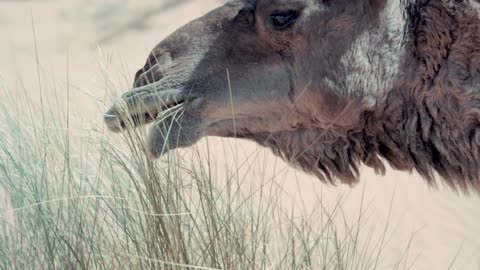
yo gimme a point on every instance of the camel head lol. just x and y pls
(324, 83)
(248, 68)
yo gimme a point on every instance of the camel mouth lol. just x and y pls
(119, 124)
(142, 106)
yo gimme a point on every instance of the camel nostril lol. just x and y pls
(153, 70)
(136, 81)
(146, 76)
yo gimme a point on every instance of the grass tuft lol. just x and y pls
(90, 200)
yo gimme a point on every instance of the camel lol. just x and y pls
(328, 85)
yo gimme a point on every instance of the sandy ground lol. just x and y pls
(69, 33)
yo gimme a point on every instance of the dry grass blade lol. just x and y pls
(98, 203)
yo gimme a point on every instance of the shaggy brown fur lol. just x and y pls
(429, 122)
(302, 89)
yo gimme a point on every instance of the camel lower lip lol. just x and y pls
(174, 131)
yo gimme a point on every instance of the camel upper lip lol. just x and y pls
(141, 106)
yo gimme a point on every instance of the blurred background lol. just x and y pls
(71, 44)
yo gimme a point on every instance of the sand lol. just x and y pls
(82, 38)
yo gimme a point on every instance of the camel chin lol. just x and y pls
(173, 132)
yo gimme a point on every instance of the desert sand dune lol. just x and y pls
(440, 223)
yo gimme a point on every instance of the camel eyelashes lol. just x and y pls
(282, 20)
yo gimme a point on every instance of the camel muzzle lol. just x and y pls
(143, 105)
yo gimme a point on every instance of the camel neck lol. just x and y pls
(429, 121)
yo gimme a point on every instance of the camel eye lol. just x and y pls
(283, 20)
